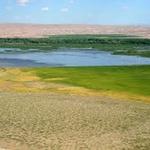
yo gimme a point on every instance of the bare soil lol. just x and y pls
(32, 30)
(52, 121)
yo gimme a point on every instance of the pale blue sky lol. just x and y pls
(136, 12)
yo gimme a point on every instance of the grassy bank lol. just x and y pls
(133, 80)
(118, 44)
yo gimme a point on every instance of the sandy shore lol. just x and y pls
(30, 30)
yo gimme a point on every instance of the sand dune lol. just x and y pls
(32, 30)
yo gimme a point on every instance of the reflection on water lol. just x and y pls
(66, 57)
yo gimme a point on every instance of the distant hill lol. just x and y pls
(33, 30)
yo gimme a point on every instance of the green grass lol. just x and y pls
(129, 79)
(118, 44)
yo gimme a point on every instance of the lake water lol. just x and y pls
(66, 57)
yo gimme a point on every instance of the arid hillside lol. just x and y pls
(31, 30)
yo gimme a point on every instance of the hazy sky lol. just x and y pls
(76, 11)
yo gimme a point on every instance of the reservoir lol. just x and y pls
(66, 57)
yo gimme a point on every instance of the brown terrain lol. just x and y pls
(32, 30)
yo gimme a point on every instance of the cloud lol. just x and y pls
(23, 2)
(44, 8)
(65, 9)
(125, 7)
(68, 6)
(72, 1)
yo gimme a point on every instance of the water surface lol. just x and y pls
(66, 57)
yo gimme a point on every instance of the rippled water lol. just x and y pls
(66, 57)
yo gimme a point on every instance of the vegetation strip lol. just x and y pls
(118, 44)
